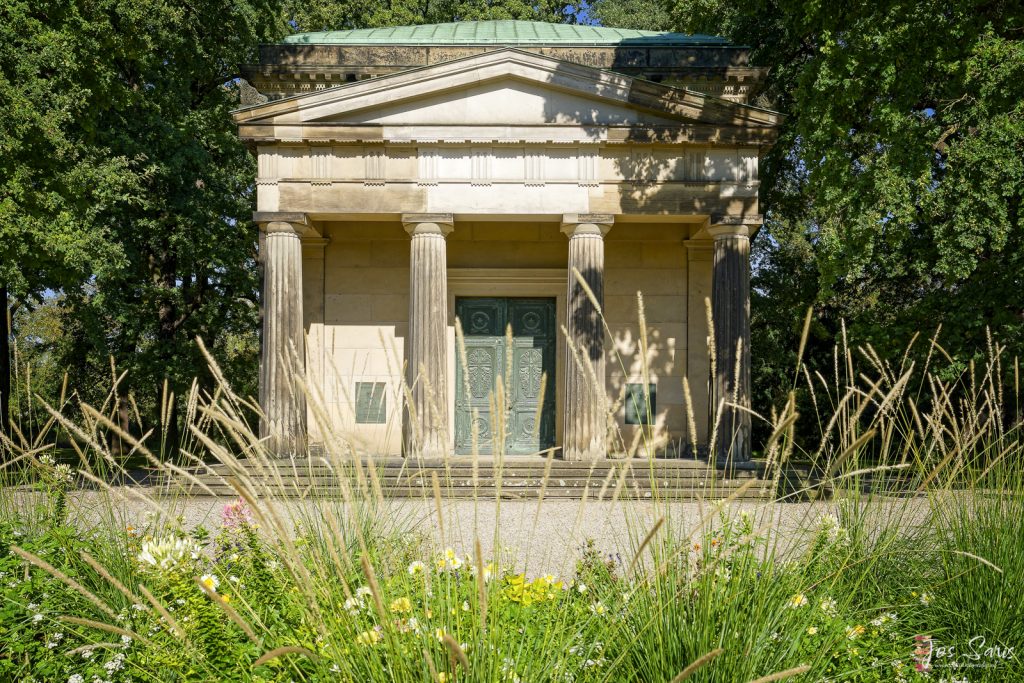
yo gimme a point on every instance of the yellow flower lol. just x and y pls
(371, 637)
(812, 630)
(226, 597)
(442, 677)
(854, 631)
(439, 633)
(798, 600)
(451, 560)
(400, 605)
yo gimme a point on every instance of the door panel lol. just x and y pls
(484, 323)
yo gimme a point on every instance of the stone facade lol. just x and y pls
(499, 174)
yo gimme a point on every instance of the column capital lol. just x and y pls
(428, 223)
(587, 223)
(722, 225)
(280, 228)
(726, 230)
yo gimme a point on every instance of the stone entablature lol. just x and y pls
(511, 162)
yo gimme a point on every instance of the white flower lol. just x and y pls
(76, 678)
(597, 608)
(829, 607)
(167, 553)
(926, 599)
(363, 592)
(416, 567)
(37, 618)
(581, 587)
(812, 630)
(451, 560)
(115, 664)
(833, 530)
(465, 605)
(64, 474)
(210, 581)
(47, 459)
(352, 606)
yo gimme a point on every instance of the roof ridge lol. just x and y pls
(499, 32)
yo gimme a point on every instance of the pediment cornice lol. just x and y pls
(664, 113)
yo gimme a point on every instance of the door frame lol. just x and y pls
(550, 283)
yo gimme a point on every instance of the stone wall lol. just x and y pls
(357, 327)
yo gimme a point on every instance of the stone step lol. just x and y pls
(560, 493)
(490, 472)
(488, 477)
(382, 464)
(682, 479)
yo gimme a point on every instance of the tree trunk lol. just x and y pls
(5, 363)
(167, 313)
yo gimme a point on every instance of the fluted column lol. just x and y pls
(730, 306)
(426, 427)
(583, 433)
(283, 353)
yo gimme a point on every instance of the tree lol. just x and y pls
(327, 15)
(900, 168)
(184, 234)
(55, 175)
(642, 15)
(125, 185)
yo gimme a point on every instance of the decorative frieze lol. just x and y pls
(533, 165)
(320, 158)
(481, 165)
(376, 165)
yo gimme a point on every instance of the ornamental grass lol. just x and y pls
(901, 559)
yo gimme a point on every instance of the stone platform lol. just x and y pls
(514, 478)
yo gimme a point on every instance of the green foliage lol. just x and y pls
(327, 15)
(125, 187)
(333, 586)
(893, 195)
(642, 15)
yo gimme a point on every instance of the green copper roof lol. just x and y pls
(499, 33)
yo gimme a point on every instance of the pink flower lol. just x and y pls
(236, 515)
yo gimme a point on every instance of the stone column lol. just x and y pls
(730, 306)
(282, 360)
(584, 428)
(426, 427)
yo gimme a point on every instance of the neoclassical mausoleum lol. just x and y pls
(485, 176)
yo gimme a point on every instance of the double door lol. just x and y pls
(512, 339)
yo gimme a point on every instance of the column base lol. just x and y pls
(592, 454)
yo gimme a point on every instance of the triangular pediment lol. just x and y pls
(506, 87)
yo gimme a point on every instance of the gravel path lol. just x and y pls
(546, 540)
